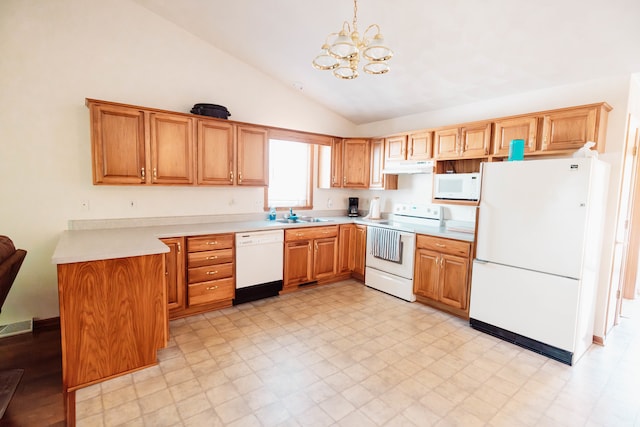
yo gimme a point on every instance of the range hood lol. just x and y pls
(407, 167)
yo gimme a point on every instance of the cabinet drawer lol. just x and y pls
(210, 272)
(215, 290)
(310, 233)
(201, 259)
(210, 242)
(438, 244)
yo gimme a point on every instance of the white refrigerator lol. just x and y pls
(538, 245)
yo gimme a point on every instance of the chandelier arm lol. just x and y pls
(365, 40)
(355, 16)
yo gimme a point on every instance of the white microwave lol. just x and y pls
(456, 186)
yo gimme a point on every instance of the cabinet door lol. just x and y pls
(396, 148)
(420, 146)
(215, 153)
(117, 145)
(567, 130)
(376, 178)
(174, 273)
(346, 241)
(453, 287)
(446, 143)
(427, 274)
(297, 262)
(475, 140)
(336, 163)
(355, 163)
(253, 156)
(519, 128)
(325, 257)
(172, 159)
(360, 249)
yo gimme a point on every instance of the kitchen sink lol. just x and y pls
(303, 219)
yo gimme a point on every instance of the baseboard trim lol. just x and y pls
(46, 324)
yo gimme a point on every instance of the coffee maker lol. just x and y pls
(353, 207)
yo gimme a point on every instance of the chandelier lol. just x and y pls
(346, 49)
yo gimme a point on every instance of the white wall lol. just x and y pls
(614, 90)
(55, 53)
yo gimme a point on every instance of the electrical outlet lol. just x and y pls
(84, 205)
(329, 203)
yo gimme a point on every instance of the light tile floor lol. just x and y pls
(347, 355)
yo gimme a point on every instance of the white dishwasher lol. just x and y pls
(259, 265)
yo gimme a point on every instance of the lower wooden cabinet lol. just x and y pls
(174, 272)
(310, 255)
(359, 252)
(199, 273)
(352, 244)
(441, 276)
(210, 269)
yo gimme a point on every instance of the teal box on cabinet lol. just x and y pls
(516, 149)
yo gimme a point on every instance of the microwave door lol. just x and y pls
(449, 187)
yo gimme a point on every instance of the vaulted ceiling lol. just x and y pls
(447, 53)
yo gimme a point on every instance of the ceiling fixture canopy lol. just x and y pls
(344, 52)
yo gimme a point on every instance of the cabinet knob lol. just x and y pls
(155, 174)
(239, 176)
(215, 242)
(211, 273)
(440, 245)
(344, 180)
(231, 176)
(212, 288)
(213, 257)
(142, 175)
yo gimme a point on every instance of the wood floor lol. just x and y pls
(38, 398)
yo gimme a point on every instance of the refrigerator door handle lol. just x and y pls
(481, 261)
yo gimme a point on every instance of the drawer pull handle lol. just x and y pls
(299, 234)
(211, 273)
(212, 288)
(213, 257)
(215, 242)
(440, 245)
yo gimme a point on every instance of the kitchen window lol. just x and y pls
(290, 175)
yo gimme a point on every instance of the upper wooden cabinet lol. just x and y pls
(420, 146)
(216, 149)
(395, 147)
(132, 145)
(350, 163)
(570, 129)
(551, 132)
(253, 156)
(232, 155)
(467, 141)
(171, 141)
(414, 146)
(517, 128)
(118, 144)
(378, 180)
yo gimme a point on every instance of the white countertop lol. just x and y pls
(98, 244)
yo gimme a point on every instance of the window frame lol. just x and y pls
(304, 138)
